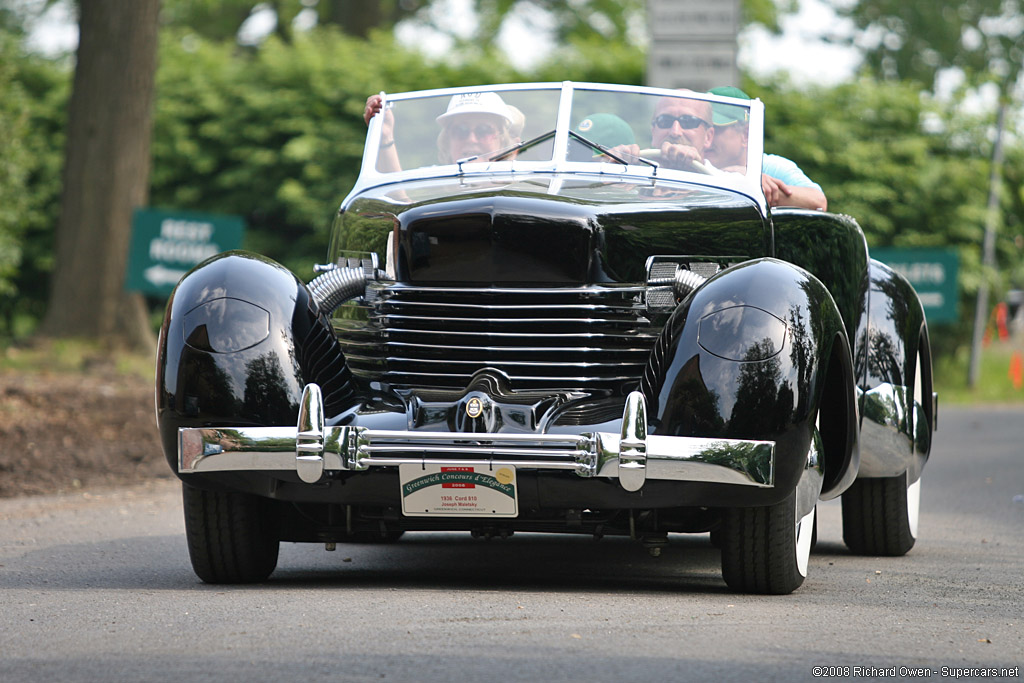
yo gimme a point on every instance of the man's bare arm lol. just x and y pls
(780, 194)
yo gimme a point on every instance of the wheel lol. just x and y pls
(766, 549)
(880, 515)
(229, 538)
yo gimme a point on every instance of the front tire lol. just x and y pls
(229, 536)
(766, 549)
(880, 516)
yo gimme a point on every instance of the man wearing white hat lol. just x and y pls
(473, 126)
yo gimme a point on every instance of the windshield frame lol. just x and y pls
(748, 184)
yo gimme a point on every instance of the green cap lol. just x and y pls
(606, 129)
(728, 114)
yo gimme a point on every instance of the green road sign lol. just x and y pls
(933, 272)
(166, 244)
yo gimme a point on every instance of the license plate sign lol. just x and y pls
(462, 491)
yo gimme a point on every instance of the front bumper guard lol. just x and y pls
(632, 456)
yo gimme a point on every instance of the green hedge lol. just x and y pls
(275, 134)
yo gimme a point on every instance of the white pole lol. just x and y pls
(988, 254)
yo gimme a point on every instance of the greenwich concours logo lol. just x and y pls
(455, 477)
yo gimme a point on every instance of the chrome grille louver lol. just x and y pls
(577, 338)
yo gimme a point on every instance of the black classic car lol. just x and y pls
(545, 309)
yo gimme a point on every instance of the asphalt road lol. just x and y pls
(97, 587)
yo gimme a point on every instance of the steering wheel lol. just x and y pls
(654, 154)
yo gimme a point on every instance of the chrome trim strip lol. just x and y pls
(508, 321)
(393, 373)
(383, 451)
(536, 349)
(476, 436)
(553, 335)
(513, 363)
(627, 306)
(458, 462)
(498, 291)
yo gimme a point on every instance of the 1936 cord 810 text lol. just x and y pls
(535, 316)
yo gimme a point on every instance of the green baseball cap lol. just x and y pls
(728, 114)
(606, 129)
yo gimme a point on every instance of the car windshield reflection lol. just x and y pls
(475, 129)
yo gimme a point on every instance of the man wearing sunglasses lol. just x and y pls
(681, 129)
(681, 134)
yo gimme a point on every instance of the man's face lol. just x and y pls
(474, 135)
(675, 122)
(729, 148)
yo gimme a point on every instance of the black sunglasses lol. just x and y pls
(461, 131)
(686, 121)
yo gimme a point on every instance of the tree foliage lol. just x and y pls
(916, 40)
(866, 143)
(33, 97)
(612, 21)
(223, 19)
(14, 166)
(274, 133)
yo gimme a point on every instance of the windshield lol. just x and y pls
(434, 130)
(559, 124)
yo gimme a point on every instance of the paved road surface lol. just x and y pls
(97, 587)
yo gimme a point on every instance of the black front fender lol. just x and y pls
(746, 356)
(241, 336)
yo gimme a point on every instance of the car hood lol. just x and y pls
(544, 230)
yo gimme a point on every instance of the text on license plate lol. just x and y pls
(458, 491)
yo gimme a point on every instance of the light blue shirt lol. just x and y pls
(787, 171)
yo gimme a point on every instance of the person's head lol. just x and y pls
(729, 148)
(681, 120)
(474, 124)
(515, 129)
(607, 130)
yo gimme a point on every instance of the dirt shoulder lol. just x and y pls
(62, 432)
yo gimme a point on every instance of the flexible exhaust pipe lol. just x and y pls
(338, 285)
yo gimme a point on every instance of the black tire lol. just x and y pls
(879, 516)
(228, 534)
(760, 548)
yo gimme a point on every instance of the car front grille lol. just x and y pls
(577, 338)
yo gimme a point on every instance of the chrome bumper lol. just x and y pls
(311, 450)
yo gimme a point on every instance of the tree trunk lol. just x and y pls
(106, 174)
